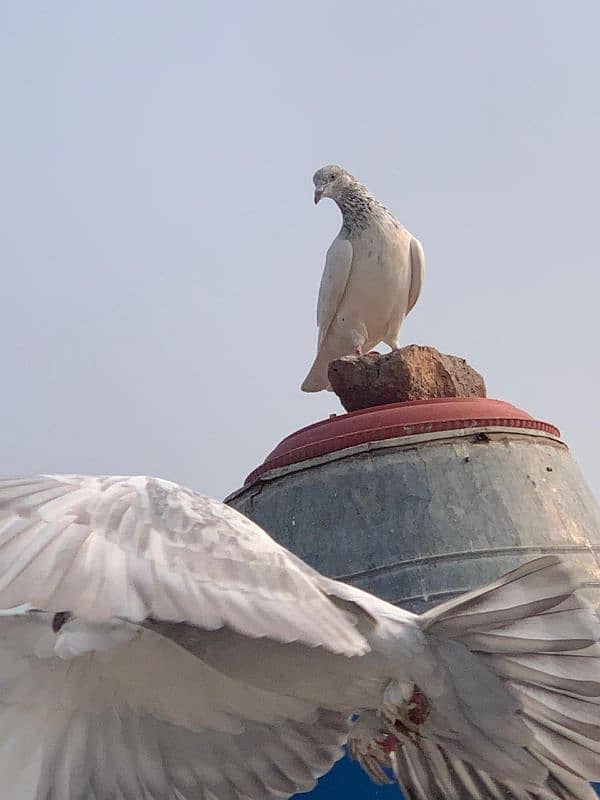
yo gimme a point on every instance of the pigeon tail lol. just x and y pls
(509, 706)
(542, 639)
(317, 379)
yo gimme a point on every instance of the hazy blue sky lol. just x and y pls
(161, 254)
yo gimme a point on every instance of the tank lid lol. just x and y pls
(393, 421)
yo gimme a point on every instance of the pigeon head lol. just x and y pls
(331, 181)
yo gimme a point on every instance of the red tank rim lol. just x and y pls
(395, 421)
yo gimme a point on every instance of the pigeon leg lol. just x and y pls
(358, 342)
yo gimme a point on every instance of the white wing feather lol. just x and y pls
(338, 263)
(417, 272)
(104, 709)
(138, 548)
(146, 719)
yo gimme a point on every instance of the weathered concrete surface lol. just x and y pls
(417, 524)
(415, 372)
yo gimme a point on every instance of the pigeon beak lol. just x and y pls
(318, 195)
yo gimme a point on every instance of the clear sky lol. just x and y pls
(161, 254)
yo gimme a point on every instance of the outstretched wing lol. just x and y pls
(338, 263)
(144, 718)
(138, 548)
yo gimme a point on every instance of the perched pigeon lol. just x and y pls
(372, 277)
(156, 644)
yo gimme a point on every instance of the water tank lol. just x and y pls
(419, 501)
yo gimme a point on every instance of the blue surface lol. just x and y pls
(349, 781)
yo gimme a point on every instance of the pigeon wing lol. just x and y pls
(338, 264)
(417, 272)
(137, 548)
(144, 718)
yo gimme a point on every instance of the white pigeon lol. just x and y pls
(156, 644)
(372, 278)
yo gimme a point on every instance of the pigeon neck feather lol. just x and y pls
(358, 208)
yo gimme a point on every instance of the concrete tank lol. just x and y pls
(419, 501)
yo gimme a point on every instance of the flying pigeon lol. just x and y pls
(372, 278)
(157, 644)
